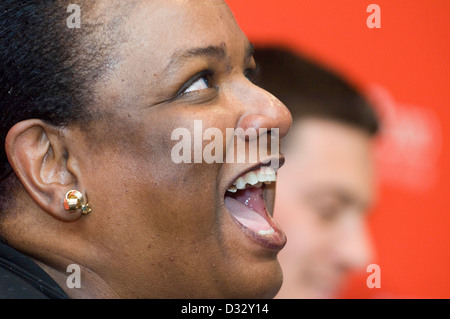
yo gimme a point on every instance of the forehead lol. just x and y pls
(153, 33)
(173, 24)
(151, 60)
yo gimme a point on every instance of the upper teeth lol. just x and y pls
(254, 178)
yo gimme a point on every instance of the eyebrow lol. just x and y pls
(343, 195)
(212, 51)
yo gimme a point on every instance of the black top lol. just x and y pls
(22, 278)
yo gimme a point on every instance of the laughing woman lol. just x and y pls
(87, 179)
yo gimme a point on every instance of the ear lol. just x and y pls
(38, 157)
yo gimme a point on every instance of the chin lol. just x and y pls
(269, 283)
(275, 286)
(255, 281)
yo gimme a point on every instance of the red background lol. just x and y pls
(409, 58)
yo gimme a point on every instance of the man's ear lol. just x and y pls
(38, 157)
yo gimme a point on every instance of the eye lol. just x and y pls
(200, 84)
(328, 208)
(200, 81)
(328, 212)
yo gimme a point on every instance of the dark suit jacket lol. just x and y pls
(22, 278)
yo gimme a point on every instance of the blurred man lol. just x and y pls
(326, 186)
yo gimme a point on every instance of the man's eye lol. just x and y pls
(328, 213)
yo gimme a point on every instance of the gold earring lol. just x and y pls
(74, 200)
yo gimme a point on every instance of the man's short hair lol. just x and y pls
(311, 90)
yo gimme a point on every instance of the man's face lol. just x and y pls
(323, 193)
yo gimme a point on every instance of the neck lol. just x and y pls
(80, 282)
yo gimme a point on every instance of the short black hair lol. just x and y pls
(47, 69)
(311, 90)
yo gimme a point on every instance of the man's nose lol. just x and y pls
(354, 248)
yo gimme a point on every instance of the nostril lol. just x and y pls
(254, 121)
(265, 124)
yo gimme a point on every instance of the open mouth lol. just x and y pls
(245, 201)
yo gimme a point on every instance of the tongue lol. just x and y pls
(248, 207)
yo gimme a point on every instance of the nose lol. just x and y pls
(353, 249)
(260, 109)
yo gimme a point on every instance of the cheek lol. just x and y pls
(168, 188)
(132, 169)
(305, 232)
(289, 211)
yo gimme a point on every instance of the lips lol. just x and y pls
(245, 202)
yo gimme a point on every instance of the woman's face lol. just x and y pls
(162, 228)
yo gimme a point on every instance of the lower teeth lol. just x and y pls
(266, 232)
